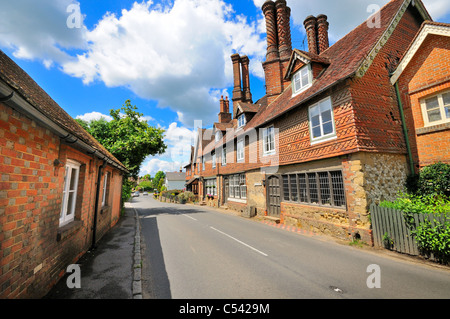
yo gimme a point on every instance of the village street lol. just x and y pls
(197, 252)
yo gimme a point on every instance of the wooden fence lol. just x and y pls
(389, 229)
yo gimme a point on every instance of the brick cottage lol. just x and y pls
(327, 139)
(60, 190)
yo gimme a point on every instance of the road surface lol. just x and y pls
(195, 252)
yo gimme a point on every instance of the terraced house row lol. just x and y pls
(340, 127)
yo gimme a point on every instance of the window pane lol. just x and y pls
(447, 112)
(327, 128)
(434, 115)
(286, 187)
(314, 197)
(325, 194)
(338, 188)
(326, 116)
(70, 203)
(446, 98)
(302, 188)
(316, 132)
(305, 79)
(432, 103)
(314, 111)
(297, 82)
(315, 121)
(293, 182)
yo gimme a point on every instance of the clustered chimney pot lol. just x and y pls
(317, 33)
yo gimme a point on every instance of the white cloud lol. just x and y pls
(38, 30)
(94, 116)
(178, 140)
(153, 165)
(178, 56)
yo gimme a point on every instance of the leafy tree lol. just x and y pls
(129, 138)
(160, 175)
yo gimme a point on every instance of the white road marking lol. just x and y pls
(253, 248)
(189, 217)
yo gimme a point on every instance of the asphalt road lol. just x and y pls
(193, 252)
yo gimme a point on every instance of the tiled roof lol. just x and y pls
(24, 85)
(176, 176)
(345, 57)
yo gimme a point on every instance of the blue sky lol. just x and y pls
(171, 58)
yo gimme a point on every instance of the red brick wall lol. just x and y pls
(374, 101)
(427, 74)
(34, 250)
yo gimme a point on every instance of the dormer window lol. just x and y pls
(302, 79)
(241, 121)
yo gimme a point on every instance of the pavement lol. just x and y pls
(113, 269)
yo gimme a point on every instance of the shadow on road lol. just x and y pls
(155, 282)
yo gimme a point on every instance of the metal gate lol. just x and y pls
(273, 196)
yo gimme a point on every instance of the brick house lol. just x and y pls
(423, 80)
(327, 139)
(59, 189)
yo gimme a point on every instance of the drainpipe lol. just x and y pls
(405, 129)
(97, 198)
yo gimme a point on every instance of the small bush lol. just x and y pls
(434, 240)
(434, 180)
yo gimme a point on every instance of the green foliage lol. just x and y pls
(434, 239)
(129, 138)
(147, 185)
(419, 204)
(127, 188)
(434, 180)
(186, 196)
(428, 194)
(158, 180)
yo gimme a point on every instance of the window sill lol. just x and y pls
(269, 153)
(433, 128)
(68, 229)
(237, 200)
(324, 139)
(313, 205)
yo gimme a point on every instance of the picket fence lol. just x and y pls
(389, 229)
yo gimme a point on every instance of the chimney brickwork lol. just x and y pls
(279, 46)
(322, 33)
(224, 115)
(317, 33)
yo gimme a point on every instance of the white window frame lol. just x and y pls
(105, 183)
(224, 155)
(211, 186)
(269, 140)
(237, 188)
(240, 151)
(297, 77)
(67, 214)
(213, 158)
(323, 106)
(218, 136)
(203, 162)
(241, 121)
(441, 106)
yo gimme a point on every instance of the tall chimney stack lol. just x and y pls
(322, 33)
(270, 15)
(279, 46)
(311, 33)
(237, 91)
(224, 115)
(246, 79)
(284, 29)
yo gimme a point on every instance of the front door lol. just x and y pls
(273, 196)
(226, 189)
